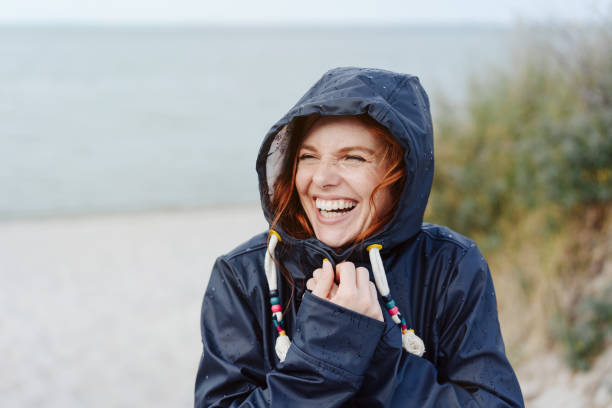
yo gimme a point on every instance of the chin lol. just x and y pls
(335, 240)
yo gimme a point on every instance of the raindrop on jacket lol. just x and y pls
(339, 358)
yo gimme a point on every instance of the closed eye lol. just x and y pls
(355, 158)
(306, 156)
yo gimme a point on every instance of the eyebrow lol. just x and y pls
(343, 150)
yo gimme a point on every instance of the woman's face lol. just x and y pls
(339, 165)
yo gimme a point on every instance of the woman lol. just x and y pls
(344, 180)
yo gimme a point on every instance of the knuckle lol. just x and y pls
(347, 266)
(341, 298)
(347, 291)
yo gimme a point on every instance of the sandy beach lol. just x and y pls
(103, 311)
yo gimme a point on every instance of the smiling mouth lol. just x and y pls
(334, 208)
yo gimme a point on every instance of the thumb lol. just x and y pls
(325, 279)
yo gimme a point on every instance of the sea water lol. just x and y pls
(98, 119)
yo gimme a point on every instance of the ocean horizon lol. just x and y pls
(116, 118)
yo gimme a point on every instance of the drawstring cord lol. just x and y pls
(410, 341)
(282, 341)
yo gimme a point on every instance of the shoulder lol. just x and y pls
(248, 248)
(244, 264)
(445, 236)
(462, 256)
(442, 245)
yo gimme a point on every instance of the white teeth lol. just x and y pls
(329, 205)
(330, 214)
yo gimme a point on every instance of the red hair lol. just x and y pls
(287, 211)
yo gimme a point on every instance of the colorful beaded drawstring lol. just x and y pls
(410, 341)
(282, 341)
(277, 314)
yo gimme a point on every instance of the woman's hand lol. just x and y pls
(354, 290)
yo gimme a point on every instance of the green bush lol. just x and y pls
(537, 135)
(581, 148)
(583, 333)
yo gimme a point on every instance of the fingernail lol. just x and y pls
(325, 259)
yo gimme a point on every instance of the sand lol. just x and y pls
(104, 311)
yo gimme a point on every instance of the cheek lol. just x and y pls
(383, 197)
(365, 183)
(301, 182)
(383, 201)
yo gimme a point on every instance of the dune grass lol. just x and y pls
(526, 170)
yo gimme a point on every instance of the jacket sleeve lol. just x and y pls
(325, 365)
(472, 368)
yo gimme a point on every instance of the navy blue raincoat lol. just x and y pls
(339, 358)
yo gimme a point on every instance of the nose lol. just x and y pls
(326, 174)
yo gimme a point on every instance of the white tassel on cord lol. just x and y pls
(410, 341)
(282, 341)
(413, 343)
(282, 347)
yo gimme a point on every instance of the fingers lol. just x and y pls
(327, 268)
(347, 279)
(333, 291)
(355, 291)
(372, 290)
(312, 282)
(377, 312)
(324, 281)
(363, 279)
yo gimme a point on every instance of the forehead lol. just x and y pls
(339, 133)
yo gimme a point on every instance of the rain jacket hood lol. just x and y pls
(440, 282)
(398, 102)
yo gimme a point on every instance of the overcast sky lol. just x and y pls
(292, 11)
